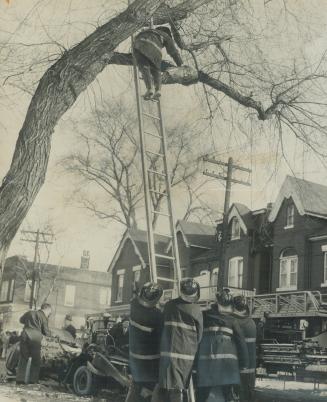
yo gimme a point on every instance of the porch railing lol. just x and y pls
(287, 304)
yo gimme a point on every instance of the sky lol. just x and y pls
(37, 22)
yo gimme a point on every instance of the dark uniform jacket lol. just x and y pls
(249, 331)
(71, 329)
(151, 42)
(35, 324)
(182, 332)
(222, 351)
(144, 342)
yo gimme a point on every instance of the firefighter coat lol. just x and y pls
(249, 331)
(222, 351)
(144, 342)
(182, 332)
(151, 42)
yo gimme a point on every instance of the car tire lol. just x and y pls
(84, 382)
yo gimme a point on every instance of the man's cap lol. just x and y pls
(69, 317)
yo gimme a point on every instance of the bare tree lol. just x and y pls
(290, 96)
(108, 164)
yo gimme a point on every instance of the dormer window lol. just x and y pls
(236, 229)
(289, 216)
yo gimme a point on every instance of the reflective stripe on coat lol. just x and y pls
(144, 342)
(221, 352)
(181, 335)
(249, 330)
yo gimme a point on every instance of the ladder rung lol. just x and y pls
(161, 213)
(158, 192)
(157, 173)
(162, 278)
(167, 257)
(153, 135)
(154, 153)
(151, 116)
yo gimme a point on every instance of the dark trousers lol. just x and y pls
(30, 347)
(247, 387)
(148, 70)
(140, 392)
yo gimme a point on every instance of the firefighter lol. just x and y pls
(182, 332)
(248, 327)
(68, 326)
(35, 326)
(147, 49)
(222, 352)
(144, 342)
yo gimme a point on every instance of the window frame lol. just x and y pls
(120, 289)
(238, 275)
(234, 235)
(9, 291)
(65, 299)
(290, 216)
(288, 262)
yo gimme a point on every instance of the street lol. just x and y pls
(267, 391)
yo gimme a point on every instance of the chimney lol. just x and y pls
(85, 260)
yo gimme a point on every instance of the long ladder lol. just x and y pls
(148, 137)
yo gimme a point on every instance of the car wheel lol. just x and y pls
(84, 382)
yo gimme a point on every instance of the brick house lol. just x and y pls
(299, 220)
(75, 291)
(130, 263)
(248, 250)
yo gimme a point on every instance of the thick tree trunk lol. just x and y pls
(56, 93)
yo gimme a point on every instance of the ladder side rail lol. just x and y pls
(177, 269)
(150, 236)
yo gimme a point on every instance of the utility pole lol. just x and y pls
(36, 239)
(227, 176)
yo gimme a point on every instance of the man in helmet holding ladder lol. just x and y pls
(180, 338)
(144, 342)
(222, 352)
(147, 49)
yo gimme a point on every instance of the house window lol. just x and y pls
(290, 216)
(121, 276)
(236, 229)
(235, 272)
(136, 273)
(288, 270)
(28, 290)
(325, 267)
(105, 296)
(70, 295)
(7, 291)
(214, 277)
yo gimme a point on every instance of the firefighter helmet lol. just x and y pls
(150, 294)
(189, 290)
(224, 298)
(240, 303)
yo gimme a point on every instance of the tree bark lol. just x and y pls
(57, 91)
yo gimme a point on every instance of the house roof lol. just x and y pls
(309, 198)
(139, 241)
(198, 234)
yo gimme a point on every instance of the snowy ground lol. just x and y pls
(267, 390)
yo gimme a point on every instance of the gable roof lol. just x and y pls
(139, 241)
(197, 234)
(244, 215)
(309, 198)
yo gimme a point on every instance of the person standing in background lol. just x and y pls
(35, 326)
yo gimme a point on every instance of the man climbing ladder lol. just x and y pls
(147, 49)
